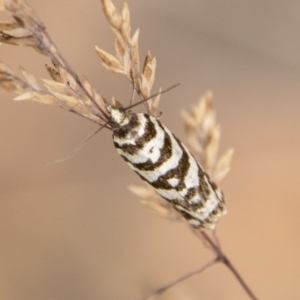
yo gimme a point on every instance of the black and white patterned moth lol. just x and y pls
(160, 159)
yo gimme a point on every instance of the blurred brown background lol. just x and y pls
(73, 231)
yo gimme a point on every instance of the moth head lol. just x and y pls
(118, 116)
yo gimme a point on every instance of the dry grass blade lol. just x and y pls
(127, 59)
(155, 103)
(126, 29)
(110, 62)
(223, 165)
(135, 50)
(30, 79)
(54, 73)
(6, 26)
(155, 203)
(68, 91)
(212, 147)
(112, 14)
(203, 135)
(9, 81)
(42, 98)
(27, 89)
(148, 76)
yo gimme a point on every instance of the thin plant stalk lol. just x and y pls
(161, 290)
(224, 259)
(220, 258)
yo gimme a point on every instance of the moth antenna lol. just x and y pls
(154, 95)
(79, 146)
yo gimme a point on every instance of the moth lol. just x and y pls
(160, 159)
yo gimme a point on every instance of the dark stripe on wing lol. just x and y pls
(179, 172)
(141, 141)
(165, 154)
